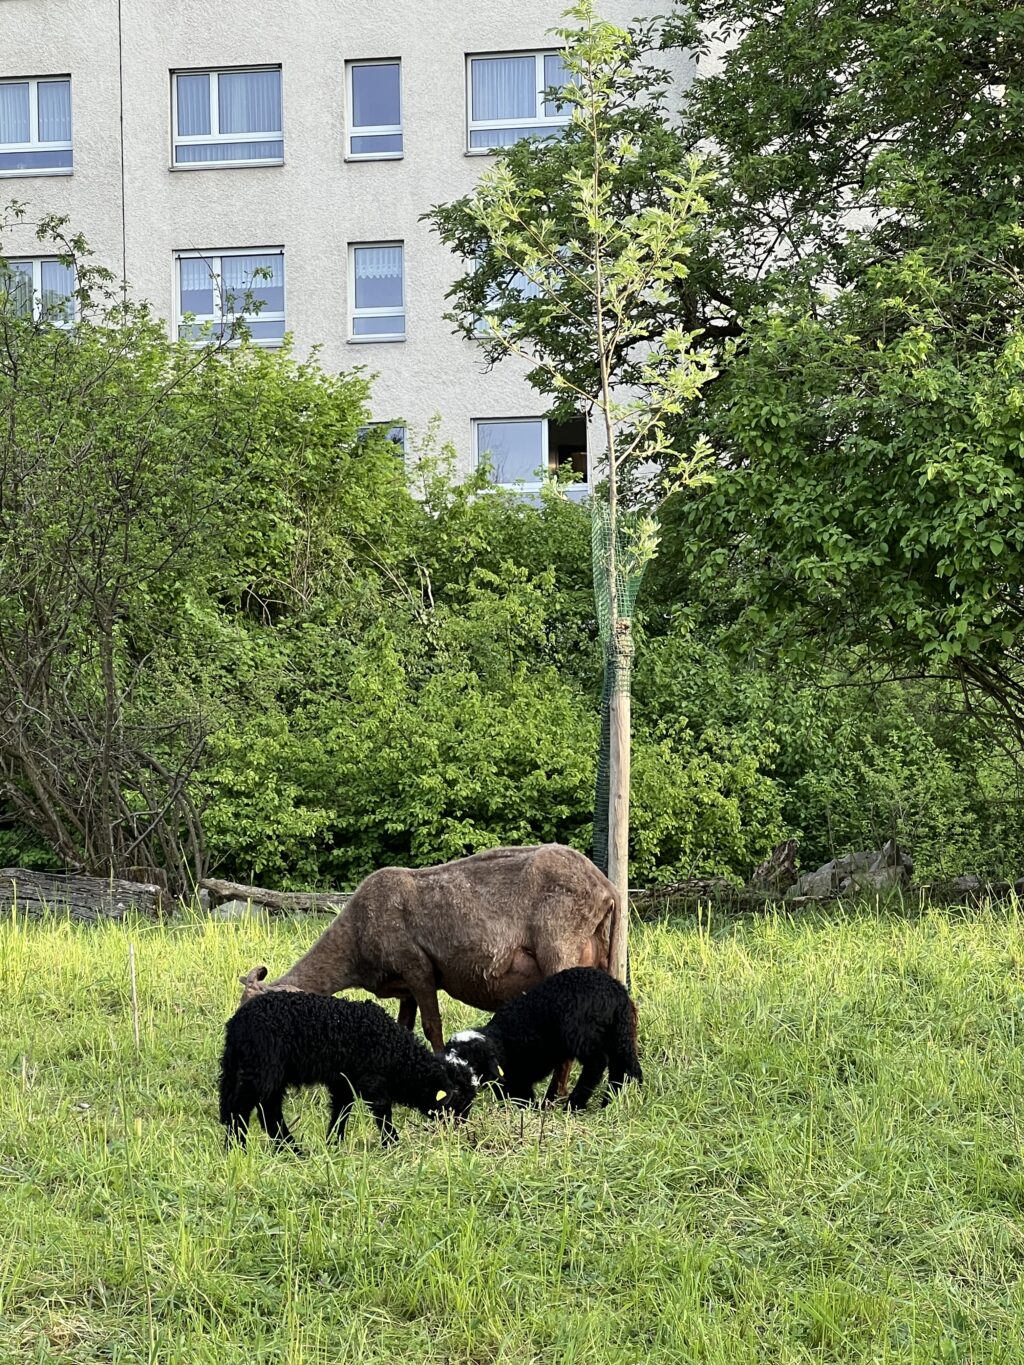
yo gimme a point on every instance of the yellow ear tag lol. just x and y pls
(500, 1072)
(441, 1095)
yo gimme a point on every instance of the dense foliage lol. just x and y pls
(232, 638)
(866, 227)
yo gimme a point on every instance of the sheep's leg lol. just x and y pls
(622, 1059)
(519, 1094)
(559, 1086)
(616, 1078)
(342, 1104)
(407, 1013)
(621, 1067)
(590, 1078)
(238, 1129)
(559, 1082)
(551, 958)
(420, 981)
(235, 1110)
(272, 1118)
(388, 1132)
(430, 1016)
(375, 1094)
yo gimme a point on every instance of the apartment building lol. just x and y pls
(289, 149)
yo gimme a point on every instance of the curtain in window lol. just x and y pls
(378, 272)
(504, 88)
(193, 106)
(249, 101)
(378, 262)
(57, 283)
(54, 111)
(239, 277)
(16, 282)
(555, 74)
(196, 286)
(14, 122)
(195, 273)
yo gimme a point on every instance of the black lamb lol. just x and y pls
(581, 1014)
(291, 1038)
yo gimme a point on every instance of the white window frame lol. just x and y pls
(375, 130)
(214, 258)
(33, 144)
(540, 119)
(220, 139)
(354, 312)
(527, 486)
(37, 263)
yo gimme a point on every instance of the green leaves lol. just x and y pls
(865, 229)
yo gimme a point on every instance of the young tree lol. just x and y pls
(577, 248)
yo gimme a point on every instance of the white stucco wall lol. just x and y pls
(314, 204)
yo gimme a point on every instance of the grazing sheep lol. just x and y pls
(483, 928)
(581, 1014)
(352, 1047)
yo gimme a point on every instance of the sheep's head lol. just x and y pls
(457, 1094)
(252, 983)
(476, 1053)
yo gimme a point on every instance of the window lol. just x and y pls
(227, 118)
(524, 450)
(35, 127)
(392, 433)
(377, 291)
(518, 288)
(42, 288)
(215, 287)
(506, 98)
(375, 109)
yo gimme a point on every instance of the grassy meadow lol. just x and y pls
(824, 1165)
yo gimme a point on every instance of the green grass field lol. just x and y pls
(825, 1164)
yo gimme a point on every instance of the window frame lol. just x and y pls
(540, 119)
(372, 130)
(264, 315)
(37, 263)
(219, 139)
(573, 491)
(34, 144)
(526, 486)
(353, 312)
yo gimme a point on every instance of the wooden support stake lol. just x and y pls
(618, 824)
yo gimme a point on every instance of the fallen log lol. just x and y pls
(83, 898)
(286, 902)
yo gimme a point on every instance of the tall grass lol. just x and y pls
(825, 1164)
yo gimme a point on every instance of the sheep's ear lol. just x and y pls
(441, 1095)
(251, 981)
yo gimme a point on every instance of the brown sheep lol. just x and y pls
(483, 928)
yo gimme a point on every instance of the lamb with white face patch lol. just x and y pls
(456, 1060)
